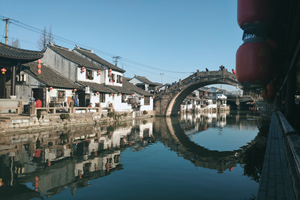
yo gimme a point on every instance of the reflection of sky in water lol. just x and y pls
(225, 139)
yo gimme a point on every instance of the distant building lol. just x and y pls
(143, 83)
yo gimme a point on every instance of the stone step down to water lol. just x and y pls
(277, 178)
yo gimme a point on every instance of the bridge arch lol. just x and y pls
(174, 96)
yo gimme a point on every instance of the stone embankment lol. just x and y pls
(16, 123)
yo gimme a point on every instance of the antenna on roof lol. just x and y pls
(116, 60)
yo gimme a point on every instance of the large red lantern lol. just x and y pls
(110, 70)
(254, 63)
(39, 66)
(254, 12)
(39, 61)
(99, 72)
(50, 88)
(268, 92)
(109, 74)
(39, 71)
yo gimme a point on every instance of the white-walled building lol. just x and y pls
(145, 84)
(101, 82)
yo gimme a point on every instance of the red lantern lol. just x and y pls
(111, 94)
(39, 66)
(99, 72)
(50, 88)
(39, 61)
(82, 69)
(268, 92)
(119, 94)
(233, 71)
(143, 97)
(110, 70)
(253, 63)
(39, 71)
(97, 92)
(3, 70)
(109, 74)
(131, 95)
(75, 90)
(254, 11)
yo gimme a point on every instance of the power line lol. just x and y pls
(59, 38)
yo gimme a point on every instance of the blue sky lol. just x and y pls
(173, 37)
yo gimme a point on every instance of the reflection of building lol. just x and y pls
(68, 158)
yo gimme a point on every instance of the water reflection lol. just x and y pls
(45, 163)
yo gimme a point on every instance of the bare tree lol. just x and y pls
(15, 43)
(50, 35)
(45, 38)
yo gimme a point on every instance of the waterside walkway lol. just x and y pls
(279, 178)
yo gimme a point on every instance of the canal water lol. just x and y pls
(202, 156)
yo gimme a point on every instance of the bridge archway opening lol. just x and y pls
(174, 105)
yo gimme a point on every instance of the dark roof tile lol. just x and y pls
(135, 89)
(48, 76)
(145, 80)
(72, 56)
(93, 56)
(9, 52)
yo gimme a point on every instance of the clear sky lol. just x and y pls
(152, 37)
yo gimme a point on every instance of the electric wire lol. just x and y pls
(71, 42)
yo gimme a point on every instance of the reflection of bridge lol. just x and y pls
(174, 137)
(168, 102)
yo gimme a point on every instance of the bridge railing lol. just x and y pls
(198, 75)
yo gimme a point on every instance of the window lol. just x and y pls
(111, 78)
(61, 94)
(147, 101)
(102, 97)
(119, 79)
(89, 74)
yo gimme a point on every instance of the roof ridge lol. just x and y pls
(61, 47)
(81, 48)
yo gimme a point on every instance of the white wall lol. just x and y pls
(112, 83)
(119, 106)
(54, 93)
(146, 107)
(81, 76)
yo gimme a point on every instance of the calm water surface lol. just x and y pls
(191, 157)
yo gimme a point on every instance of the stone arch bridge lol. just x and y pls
(168, 101)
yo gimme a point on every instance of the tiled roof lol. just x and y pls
(145, 80)
(123, 89)
(48, 76)
(105, 88)
(72, 56)
(9, 52)
(95, 57)
(135, 89)
(97, 87)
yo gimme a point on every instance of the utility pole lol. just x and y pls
(162, 74)
(6, 29)
(116, 60)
